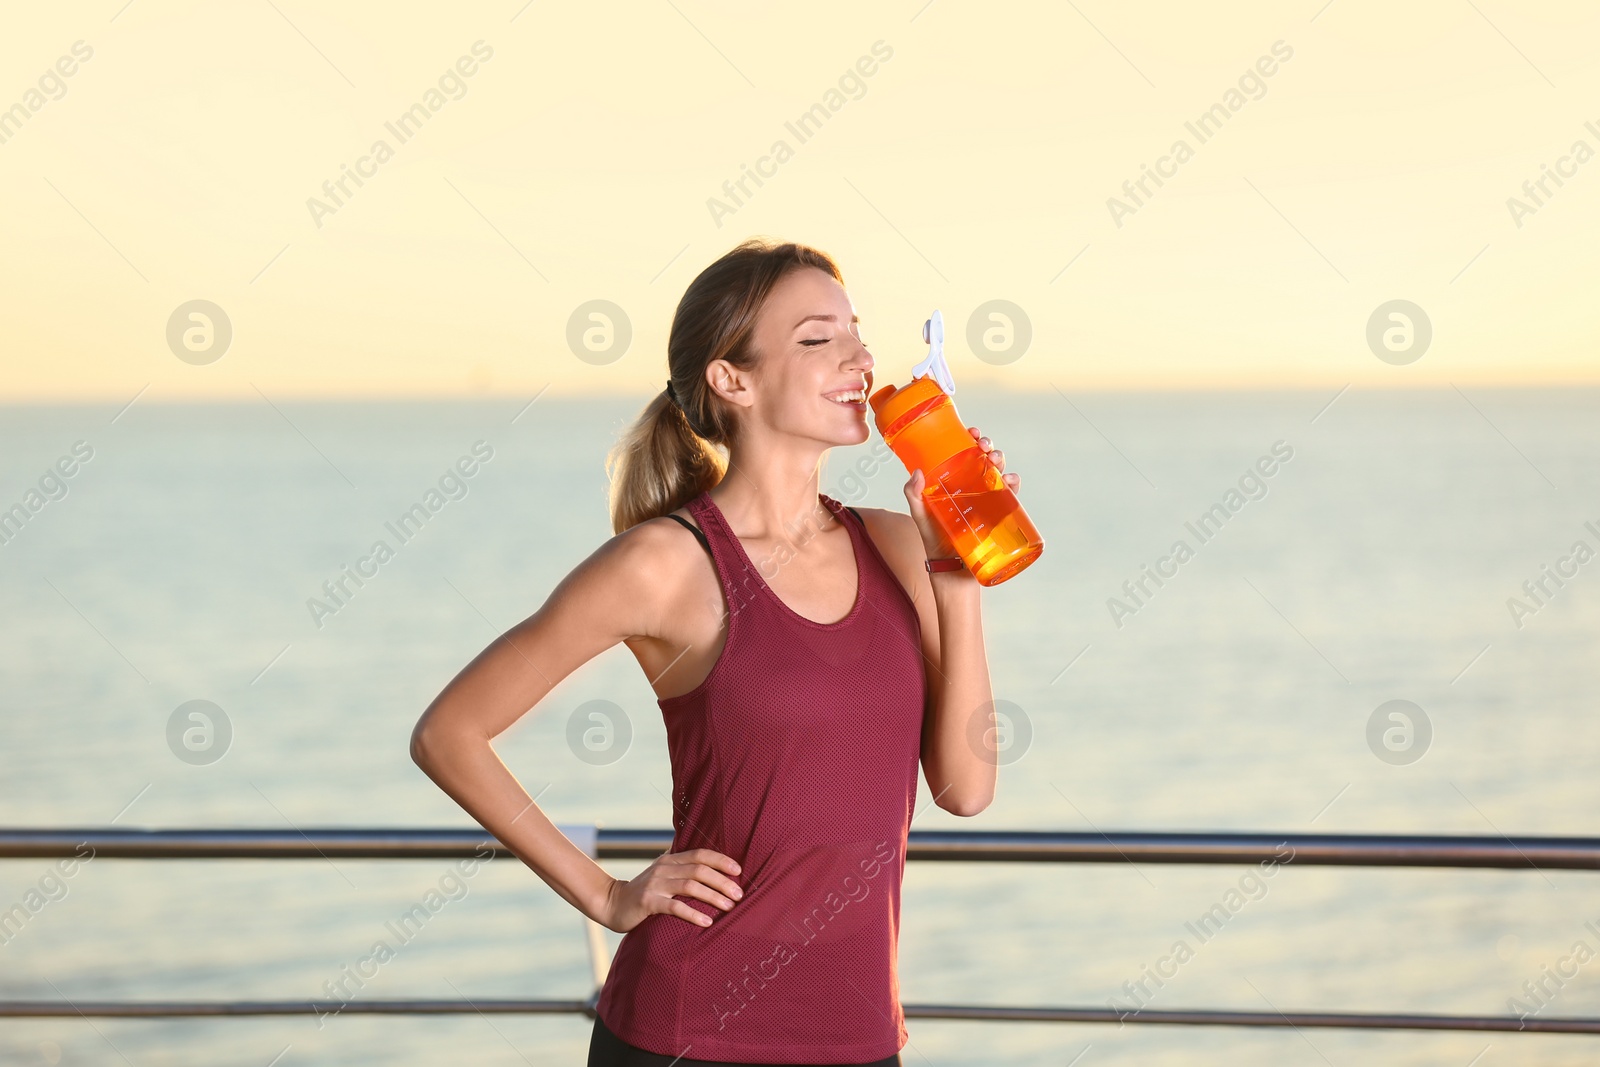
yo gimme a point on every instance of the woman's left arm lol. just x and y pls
(958, 731)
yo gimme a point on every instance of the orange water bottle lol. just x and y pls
(962, 491)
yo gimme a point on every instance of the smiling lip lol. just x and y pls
(857, 400)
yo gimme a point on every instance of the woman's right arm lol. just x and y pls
(626, 588)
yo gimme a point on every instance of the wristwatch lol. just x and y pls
(948, 563)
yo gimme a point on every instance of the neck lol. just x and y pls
(772, 494)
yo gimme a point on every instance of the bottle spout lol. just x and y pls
(934, 365)
(880, 398)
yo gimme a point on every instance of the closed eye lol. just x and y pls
(812, 342)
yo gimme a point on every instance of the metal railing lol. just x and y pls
(1348, 850)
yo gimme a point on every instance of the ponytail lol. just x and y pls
(671, 453)
(659, 465)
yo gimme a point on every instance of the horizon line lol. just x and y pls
(100, 398)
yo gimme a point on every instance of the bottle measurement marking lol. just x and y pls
(963, 512)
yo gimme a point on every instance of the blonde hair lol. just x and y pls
(670, 453)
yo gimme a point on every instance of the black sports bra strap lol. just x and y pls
(692, 528)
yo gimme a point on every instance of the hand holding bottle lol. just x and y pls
(938, 546)
(961, 502)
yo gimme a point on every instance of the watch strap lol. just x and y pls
(947, 563)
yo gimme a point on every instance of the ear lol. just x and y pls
(733, 384)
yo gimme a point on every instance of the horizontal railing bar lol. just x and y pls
(488, 1006)
(165, 1009)
(1206, 1017)
(1027, 846)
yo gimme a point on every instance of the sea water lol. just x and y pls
(1234, 584)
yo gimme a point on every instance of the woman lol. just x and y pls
(799, 693)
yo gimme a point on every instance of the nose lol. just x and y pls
(860, 358)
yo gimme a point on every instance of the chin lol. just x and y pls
(854, 437)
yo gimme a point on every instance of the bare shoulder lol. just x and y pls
(894, 526)
(897, 540)
(640, 576)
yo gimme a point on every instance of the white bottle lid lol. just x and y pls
(934, 364)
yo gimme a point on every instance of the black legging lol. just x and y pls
(608, 1050)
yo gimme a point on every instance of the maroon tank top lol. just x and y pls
(797, 756)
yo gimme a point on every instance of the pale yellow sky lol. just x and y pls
(1359, 154)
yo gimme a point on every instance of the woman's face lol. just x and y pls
(810, 353)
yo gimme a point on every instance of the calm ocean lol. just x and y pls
(1377, 561)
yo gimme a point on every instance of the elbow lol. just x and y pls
(438, 742)
(420, 754)
(966, 806)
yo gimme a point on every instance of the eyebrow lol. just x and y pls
(825, 318)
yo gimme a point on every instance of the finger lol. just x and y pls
(693, 887)
(716, 880)
(998, 458)
(709, 857)
(683, 911)
(703, 871)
